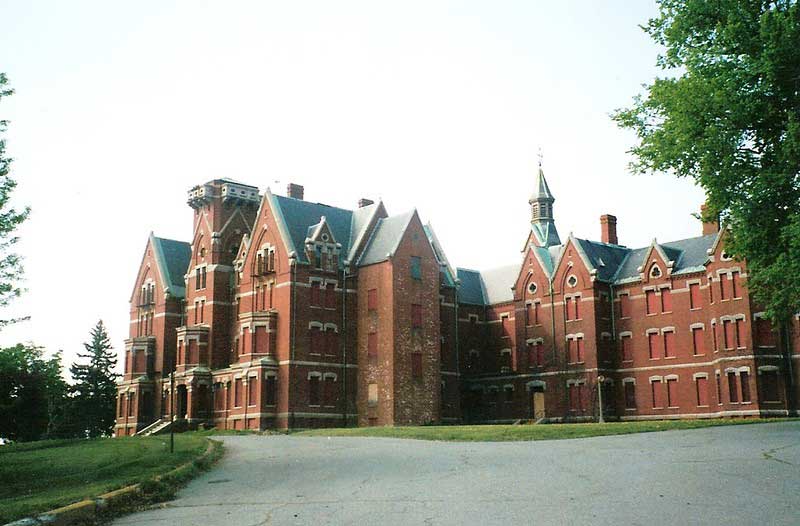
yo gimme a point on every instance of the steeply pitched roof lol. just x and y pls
(471, 289)
(542, 191)
(689, 255)
(173, 259)
(546, 233)
(604, 257)
(447, 272)
(385, 238)
(359, 225)
(298, 216)
(498, 283)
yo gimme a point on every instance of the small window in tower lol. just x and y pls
(532, 288)
(202, 252)
(572, 281)
(655, 272)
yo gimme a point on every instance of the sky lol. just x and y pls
(121, 107)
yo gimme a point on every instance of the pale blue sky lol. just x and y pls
(120, 108)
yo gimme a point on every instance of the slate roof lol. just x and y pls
(546, 233)
(385, 238)
(471, 289)
(604, 257)
(299, 216)
(498, 282)
(689, 256)
(359, 224)
(173, 259)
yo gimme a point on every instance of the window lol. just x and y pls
(416, 365)
(572, 281)
(568, 308)
(532, 288)
(313, 390)
(714, 337)
(650, 298)
(740, 339)
(735, 285)
(535, 354)
(202, 310)
(625, 306)
(697, 341)
(372, 394)
(744, 379)
(372, 348)
(509, 392)
(237, 392)
(536, 311)
(672, 392)
(764, 335)
(270, 390)
(203, 277)
(315, 294)
(652, 342)
(701, 386)
(630, 395)
(719, 389)
(728, 334)
(331, 342)
(252, 390)
(577, 308)
(372, 299)
(329, 391)
(579, 346)
(416, 316)
(710, 290)
(769, 386)
(416, 267)
(571, 354)
(666, 300)
(655, 389)
(317, 340)
(694, 296)
(724, 287)
(733, 390)
(655, 272)
(669, 344)
(505, 358)
(529, 314)
(330, 296)
(130, 404)
(504, 326)
(627, 349)
(318, 258)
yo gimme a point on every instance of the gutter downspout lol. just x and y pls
(791, 402)
(344, 339)
(293, 276)
(457, 347)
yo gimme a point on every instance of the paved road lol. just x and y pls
(731, 475)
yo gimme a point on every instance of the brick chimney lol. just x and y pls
(709, 227)
(608, 229)
(295, 191)
(365, 202)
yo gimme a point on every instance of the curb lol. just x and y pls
(86, 511)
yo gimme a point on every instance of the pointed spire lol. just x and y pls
(541, 202)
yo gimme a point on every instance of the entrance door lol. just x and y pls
(537, 403)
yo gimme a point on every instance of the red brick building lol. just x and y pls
(283, 313)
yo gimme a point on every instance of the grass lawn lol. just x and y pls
(503, 433)
(40, 476)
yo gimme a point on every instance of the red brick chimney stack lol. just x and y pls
(365, 202)
(295, 191)
(709, 227)
(608, 229)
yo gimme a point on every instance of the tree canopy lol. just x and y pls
(727, 114)
(95, 390)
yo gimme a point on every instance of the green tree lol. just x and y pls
(95, 390)
(10, 219)
(32, 394)
(727, 114)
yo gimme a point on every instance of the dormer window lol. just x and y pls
(324, 238)
(655, 271)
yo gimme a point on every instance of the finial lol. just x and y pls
(540, 155)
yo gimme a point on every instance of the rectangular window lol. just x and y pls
(416, 316)
(697, 341)
(744, 379)
(315, 294)
(735, 285)
(372, 394)
(317, 341)
(571, 391)
(701, 386)
(769, 386)
(536, 309)
(252, 390)
(197, 279)
(625, 306)
(331, 342)
(372, 299)
(724, 287)
(529, 314)
(719, 389)
(571, 354)
(329, 391)
(130, 404)
(652, 342)
(729, 335)
(203, 278)
(416, 267)
(237, 392)
(568, 308)
(509, 392)
(733, 390)
(655, 390)
(764, 335)
(577, 308)
(579, 345)
(372, 347)
(270, 390)
(695, 300)
(714, 337)
(504, 326)
(416, 365)
(672, 392)
(666, 300)
(740, 338)
(330, 296)
(651, 300)
(630, 395)
(627, 348)
(202, 310)
(539, 354)
(313, 390)
(669, 344)
(710, 290)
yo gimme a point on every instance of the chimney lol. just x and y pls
(365, 202)
(608, 229)
(295, 191)
(709, 226)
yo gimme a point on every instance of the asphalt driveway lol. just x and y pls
(731, 475)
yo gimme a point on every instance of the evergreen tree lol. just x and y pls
(10, 219)
(95, 389)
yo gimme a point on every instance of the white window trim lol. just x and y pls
(695, 376)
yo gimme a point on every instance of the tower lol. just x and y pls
(542, 221)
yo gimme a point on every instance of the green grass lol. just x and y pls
(505, 433)
(40, 476)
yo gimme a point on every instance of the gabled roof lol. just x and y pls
(689, 255)
(603, 257)
(297, 216)
(546, 233)
(385, 238)
(487, 287)
(173, 259)
(470, 290)
(447, 272)
(359, 227)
